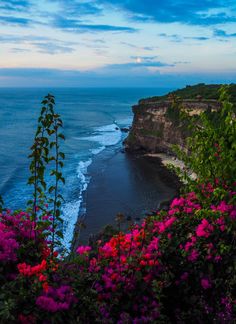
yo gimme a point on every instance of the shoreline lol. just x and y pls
(168, 159)
(133, 184)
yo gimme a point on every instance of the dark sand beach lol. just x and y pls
(123, 183)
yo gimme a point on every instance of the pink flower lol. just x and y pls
(56, 299)
(184, 276)
(218, 258)
(188, 210)
(153, 246)
(205, 283)
(193, 255)
(47, 303)
(83, 250)
(233, 214)
(222, 207)
(8, 244)
(177, 202)
(170, 221)
(204, 229)
(172, 212)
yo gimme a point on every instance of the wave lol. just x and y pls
(72, 209)
(97, 150)
(105, 135)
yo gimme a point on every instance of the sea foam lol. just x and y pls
(105, 135)
(71, 210)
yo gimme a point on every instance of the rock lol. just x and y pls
(157, 126)
(125, 129)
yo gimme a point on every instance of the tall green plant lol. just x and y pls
(57, 158)
(211, 150)
(39, 158)
(46, 158)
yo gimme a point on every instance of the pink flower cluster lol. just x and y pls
(83, 250)
(28, 270)
(187, 204)
(179, 252)
(21, 223)
(223, 208)
(57, 299)
(8, 244)
(204, 229)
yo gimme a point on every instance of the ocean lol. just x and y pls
(93, 118)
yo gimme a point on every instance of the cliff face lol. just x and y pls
(156, 126)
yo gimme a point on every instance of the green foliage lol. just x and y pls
(198, 91)
(179, 116)
(211, 150)
(173, 113)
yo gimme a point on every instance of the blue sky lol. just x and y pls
(162, 43)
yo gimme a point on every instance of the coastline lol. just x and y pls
(132, 184)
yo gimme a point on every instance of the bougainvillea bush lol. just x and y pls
(178, 266)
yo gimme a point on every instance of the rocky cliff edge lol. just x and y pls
(157, 125)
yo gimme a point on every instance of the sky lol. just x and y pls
(117, 43)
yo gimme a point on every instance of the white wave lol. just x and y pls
(105, 135)
(70, 213)
(107, 128)
(70, 210)
(126, 121)
(82, 173)
(97, 150)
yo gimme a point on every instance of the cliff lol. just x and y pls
(157, 125)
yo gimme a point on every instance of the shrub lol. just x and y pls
(211, 149)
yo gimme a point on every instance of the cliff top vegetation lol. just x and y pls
(198, 91)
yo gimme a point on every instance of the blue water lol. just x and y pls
(92, 120)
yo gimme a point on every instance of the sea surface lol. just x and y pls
(92, 121)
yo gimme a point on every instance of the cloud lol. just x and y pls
(181, 62)
(20, 50)
(204, 12)
(42, 44)
(222, 33)
(14, 5)
(144, 48)
(101, 41)
(58, 73)
(75, 25)
(179, 38)
(173, 38)
(138, 66)
(20, 38)
(54, 77)
(144, 58)
(51, 48)
(79, 8)
(18, 21)
(199, 38)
